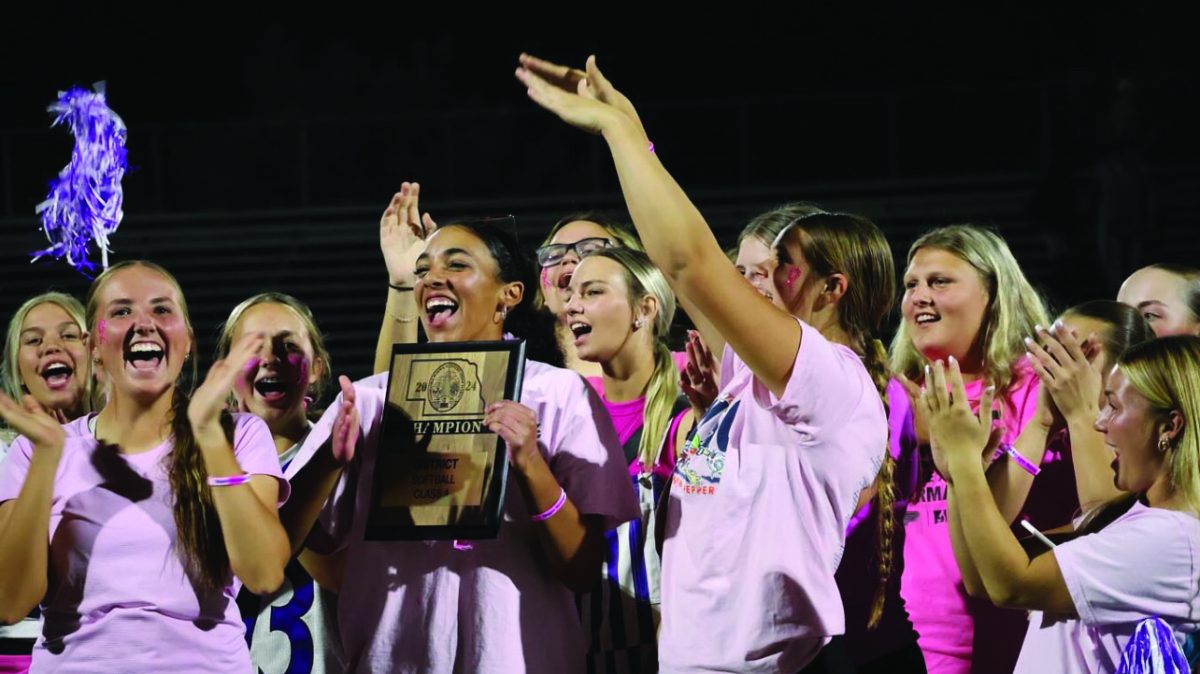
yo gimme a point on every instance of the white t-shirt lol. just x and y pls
(293, 630)
(1145, 564)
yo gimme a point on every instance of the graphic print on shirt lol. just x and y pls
(285, 631)
(292, 604)
(699, 470)
(929, 499)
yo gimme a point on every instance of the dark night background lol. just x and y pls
(263, 149)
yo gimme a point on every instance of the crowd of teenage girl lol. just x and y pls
(995, 489)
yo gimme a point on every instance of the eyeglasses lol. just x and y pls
(552, 254)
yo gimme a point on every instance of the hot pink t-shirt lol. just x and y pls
(627, 417)
(942, 613)
(758, 514)
(119, 599)
(1145, 564)
(428, 607)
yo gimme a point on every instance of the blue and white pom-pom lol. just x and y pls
(84, 204)
(1153, 650)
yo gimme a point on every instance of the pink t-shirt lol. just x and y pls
(427, 607)
(942, 613)
(627, 417)
(758, 513)
(1145, 564)
(119, 599)
(29, 628)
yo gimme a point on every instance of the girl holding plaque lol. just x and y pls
(503, 604)
(761, 498)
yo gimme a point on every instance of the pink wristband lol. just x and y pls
(230, 481)
(1024, 463)
(552, 510)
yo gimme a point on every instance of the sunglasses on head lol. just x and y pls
(552, 254)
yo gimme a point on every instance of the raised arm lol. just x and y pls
(1069, 369)
(675, 235)
(257, 545)
(402, 234)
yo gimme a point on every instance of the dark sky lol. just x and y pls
(214, 66)
(272, 109)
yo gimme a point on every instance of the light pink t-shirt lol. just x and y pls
(1145, 564)
(428, 607)
(119, 599)
(758, 514)
(942, 613)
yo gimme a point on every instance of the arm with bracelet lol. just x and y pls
(246, 504)
(572, 543)
(1014, 466)
(402, 234)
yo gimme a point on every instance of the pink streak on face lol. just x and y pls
(298, 363)
(793, 274)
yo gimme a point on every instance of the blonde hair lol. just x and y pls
(12, 383)
(301, 310)
(643, 279)
(1166, 372)
(1014, 306)
(200, 543)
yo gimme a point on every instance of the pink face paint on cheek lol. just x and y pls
(101, 330)
(299, 364)
(545, 278)
(792, 276)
